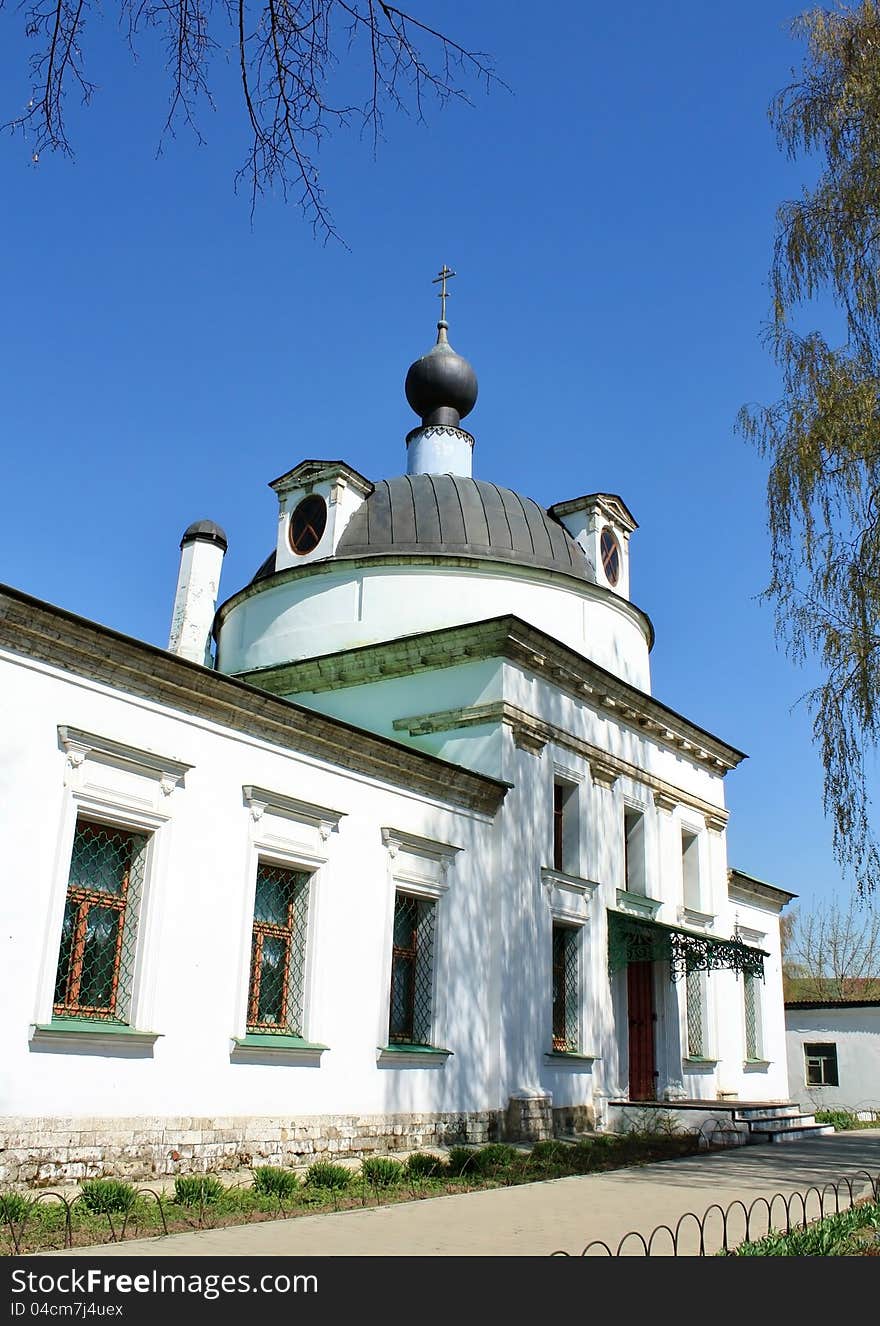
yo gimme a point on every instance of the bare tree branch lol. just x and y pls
(832, 952)
(288, 54)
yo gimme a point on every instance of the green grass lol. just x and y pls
(108, 1209)
(845, 1121)
(851, 1233)
(197, 1190)
(272, 1181)
(14, 1207)
(422, 1165)
(382, 1172)
(324, 1174)
(108, 1196)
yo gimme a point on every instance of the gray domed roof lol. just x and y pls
(447, 515)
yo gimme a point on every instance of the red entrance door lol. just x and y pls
(640, 995)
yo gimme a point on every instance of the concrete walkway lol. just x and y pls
(540, 1218)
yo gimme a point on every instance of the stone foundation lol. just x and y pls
(41, 1152)
(529, 1119)
(568, 1119)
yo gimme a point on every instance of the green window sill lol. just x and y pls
(756, 1063)
(292, 1049)
(699, 1060)
(91, 1031)
(573, 1057)
(404, 1055)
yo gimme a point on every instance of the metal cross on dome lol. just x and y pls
(443, 276)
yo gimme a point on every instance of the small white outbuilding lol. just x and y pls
(834, 1053)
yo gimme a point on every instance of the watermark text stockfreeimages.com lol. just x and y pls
(94, 1281)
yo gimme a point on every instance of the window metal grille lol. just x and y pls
(412, 970)
(566, 1022)
(99, 931)
(695, 1024)
(821, 1064)
(278, 951)
(752, 1018)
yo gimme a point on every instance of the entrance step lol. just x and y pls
(781, 1123)
(749, 1112)
(801, 1134)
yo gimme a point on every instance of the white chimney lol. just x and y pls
(202, 550)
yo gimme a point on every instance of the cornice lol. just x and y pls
(608, 503)
(397, 840)
(78, 746)
(745, 888)
(261, 799)
(533, 734)
(310, 472)
(38, 630)
(511, 638)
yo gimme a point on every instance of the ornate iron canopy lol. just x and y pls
(631, 939)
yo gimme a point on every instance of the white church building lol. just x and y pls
(393, 848)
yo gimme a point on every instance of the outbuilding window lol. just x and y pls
(821, 1064)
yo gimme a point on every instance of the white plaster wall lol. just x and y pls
(193, 964)
(300, 617)
(526, 847)
(495, 921)
(376, 706)
(856, 1033)
(525, 939)
(755, 1081)
(578, 717)
(601, 860)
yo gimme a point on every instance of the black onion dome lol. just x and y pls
(205, 531)
(441, 386)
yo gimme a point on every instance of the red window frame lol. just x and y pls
(286, 933)
(307, 525)
(86, 899)
(262, 930)
(610, 550)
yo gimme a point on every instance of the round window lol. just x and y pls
(610, 550)
(307, 525)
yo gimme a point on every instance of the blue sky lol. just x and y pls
(611, 220)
